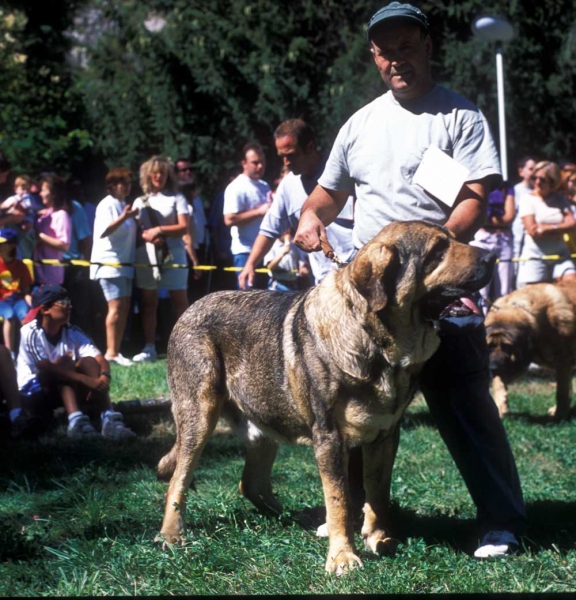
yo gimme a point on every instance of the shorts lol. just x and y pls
(13, 306)
(536, 271)
(116, 287)
(37, 399)
(171, 279)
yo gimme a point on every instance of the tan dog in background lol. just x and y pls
(535, 324)
(335, 366)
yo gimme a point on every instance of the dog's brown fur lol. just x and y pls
(335, 365)
(535, 324)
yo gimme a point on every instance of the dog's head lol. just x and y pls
(417, 265)
(509, 339)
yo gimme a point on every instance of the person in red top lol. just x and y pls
(15, 286)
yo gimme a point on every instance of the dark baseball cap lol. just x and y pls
(45, 294)
(396, 10)
(8, 236)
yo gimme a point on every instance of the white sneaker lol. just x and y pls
(113, 428)
(497, 543)
(148, 354)
(81, 428)
(322, 530)
(120, 360)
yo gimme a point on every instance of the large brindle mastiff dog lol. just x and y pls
(535, 324)
(335, 365)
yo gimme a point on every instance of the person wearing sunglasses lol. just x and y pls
(547, 217)
(58, 365)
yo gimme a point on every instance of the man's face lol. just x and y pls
(402, 55)
(59, 311)
(295, 158)
(253, 165)
(184, 172)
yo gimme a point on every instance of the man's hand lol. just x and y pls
(310, 230)
(246, 277)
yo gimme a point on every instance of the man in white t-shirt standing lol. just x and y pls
(295, 143)
(246, 201)
(376, 155)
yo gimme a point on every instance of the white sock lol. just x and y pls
(107, 413)
(149, 346)
(14, 414)
(75, 415)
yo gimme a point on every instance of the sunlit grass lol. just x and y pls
(80, 519)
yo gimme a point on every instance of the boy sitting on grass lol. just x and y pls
(59, 365)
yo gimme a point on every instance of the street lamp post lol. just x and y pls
(491, 28)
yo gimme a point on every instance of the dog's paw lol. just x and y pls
(342, 561)
(169, 539)
(380, 544)
(558, 415)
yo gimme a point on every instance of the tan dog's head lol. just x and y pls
(418, 264)
(509, 339)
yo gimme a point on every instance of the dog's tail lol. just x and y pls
(167, 464)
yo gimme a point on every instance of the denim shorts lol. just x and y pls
(13, 306)
(116, 287)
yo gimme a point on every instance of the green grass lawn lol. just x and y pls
(80, 518)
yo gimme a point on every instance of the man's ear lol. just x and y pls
(429, 46)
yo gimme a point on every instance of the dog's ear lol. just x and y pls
(369, 270)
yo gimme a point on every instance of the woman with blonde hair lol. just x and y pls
(163, 220)
(115, 242)
(547, 216)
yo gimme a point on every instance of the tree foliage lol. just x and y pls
(220, 73)
(42, 118)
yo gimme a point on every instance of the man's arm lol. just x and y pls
(242, 218)
(469, 213)
(319, 210)
(260, 248)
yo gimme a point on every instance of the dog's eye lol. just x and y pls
(436, 255)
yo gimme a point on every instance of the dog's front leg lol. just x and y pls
(563, 393)
(500, 394)
(378, 459)
(332, 462)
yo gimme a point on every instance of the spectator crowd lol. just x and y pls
(142, 248)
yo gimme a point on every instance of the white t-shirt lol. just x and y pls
(549, 212)
(34, 347)
(379, 149)
(198, 221)
(241, 195)
(287, 269)
(520, 190)
(166, 208)
(285, 212)
(119, 246)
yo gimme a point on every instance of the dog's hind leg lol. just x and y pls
(378, 462)
(167, 464)
(256, 484)
(194, 429)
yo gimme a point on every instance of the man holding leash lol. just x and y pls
(377, 155)
(296, 145)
